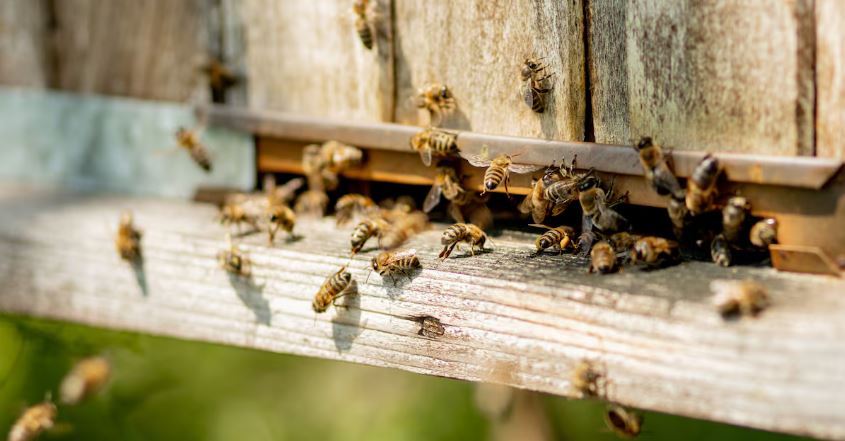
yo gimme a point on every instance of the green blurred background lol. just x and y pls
(165, 389)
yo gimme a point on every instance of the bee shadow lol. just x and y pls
(456, 119)
(394, 284)
(251, 295)
(468, 254)
(140, 275)
(346, 324)
(245, 233)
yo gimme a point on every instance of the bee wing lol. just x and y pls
(526, 205)
(478, 160)
(425, 155)
(561, 206)
(433, 197)
(524, 168)
(401, 255)
(481, 216)
(540, 226)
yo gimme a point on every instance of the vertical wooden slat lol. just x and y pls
(608, 70)
(830, 78)
(477, 47)
(24, 43)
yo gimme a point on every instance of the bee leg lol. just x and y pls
(507, 192)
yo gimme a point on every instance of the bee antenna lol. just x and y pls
(368, 277)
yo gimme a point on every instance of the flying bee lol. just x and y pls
(437, 99)
(657, 172)
(190, 141)
(85, 379)
(720, 251)
(336, 286)
(458, 233)
(558, 237)
(535, 84)
(236, 213)
(602, 258)
(283, 194)
(338, 157)
(349, 205)
(587, 379)
(312, 203)
(594, 203)
(281, 217)
(764, 233)
(220, 78)
(402, 229)
(434, 142)
(678, 215)
(743, 297)
(625, 423)
(655, 252)
(233, 260)
(33, 421)
(733, 218)
(701, 187)
(362, 22)
(364, 231)
(128, 239)
(499, 169)
(389, 263)
(447, 183)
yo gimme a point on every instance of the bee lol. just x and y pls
(190, 141)
(338, 157)
(499, 170)
(623, 241)
(586, 379)
(602, 258)
(336, 286)
(402, 230)
(447, 183)
(657, 172)
(562, 192)
(559, 237)
(233, 260)
(430, 327)
(351, 204)
(281, 217)
(596, 207)
(437, 99)
(625, 423)
(434, 142)
(701, 187)
(220, 78)
(388, 263)
(678, 215)
(535, 202)
(733, 218)
(362, 23)
(720, 251)
(457, 233)
(85, 379)
(312, 203)
(764, 233)
(33, 421)
(128, 239)
(655, 252)
(534, 89)
(283, 194)
(236, 213)
(743, 297)
(364, 231)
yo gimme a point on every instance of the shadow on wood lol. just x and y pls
(252, 297)
(346, 322)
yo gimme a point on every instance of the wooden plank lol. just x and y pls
(25, 43)
(727, 75)
(509, 318)
(477, 48)
(307, 57)
(151, 49)
(830, 71)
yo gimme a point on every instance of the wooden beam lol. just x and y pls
(508, 318)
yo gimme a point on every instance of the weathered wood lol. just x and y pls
(830, 71)
(307, 57)
(477, 48)
(25, 43)
(729, 75)
(508, 318)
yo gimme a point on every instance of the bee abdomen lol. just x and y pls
(453, 234)
(442, 142)
(365, 33)
(200, 156)
(408, 262)
(336, 284)
(534, 99)
(493, 177)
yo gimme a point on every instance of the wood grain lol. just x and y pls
(25, 43)
(306, 57)
(509, 318)
(830, 78)
(727, 75)
(477, 48)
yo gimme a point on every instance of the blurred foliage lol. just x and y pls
(166, 389)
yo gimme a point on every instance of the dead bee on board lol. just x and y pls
(595, 204)
(498, 169)
(447, 183)
(237, 214)
(535, 84)
(434, 142)
(437, 99)
(33, 421)
(388, 263)
(764, 233)
(657, 172)
(458, 233)
(733, 218)
(190, 140)
(587, 379)
(364, 231)
(281, 217)
(233, 260)
(430, 327)
(701, 186)
(336, 286)
(624, 422)
(402, 229)
(720, 251)
(743, 297)
(312, 203)
(86, 378)
(128, 239)
(362, 22)
(350, 205)
(558, 237)
(655, 252)
(602, 258)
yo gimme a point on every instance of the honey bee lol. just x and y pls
(558, 237)
(33, 421)
(657, 172)
(85, 379)
(720, 251)
(128, 239)
(437, 99)
(468, 207)
(434, 142)
(402, 229)
(458, 233)
(499, 169)
(283, 194)
(764, 233)
(362, 23)
(534, 88)
(446, 183)
(596, 207)
(701, 187)
(430, 327)
(281, 218)
(623, 241)
(235, 213)
(312, 203)
(389, 263)
(233, 260)
(350, 205)
(336, 286)
(625, 423)
(190, 141)
(220, 78)
(655, 252)
(535, 202)
(338, 157)
(563, 191)
(678, 215)
(602, 258)
(743, 297)
(733, 218)
(364, 231)
(586, 379)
